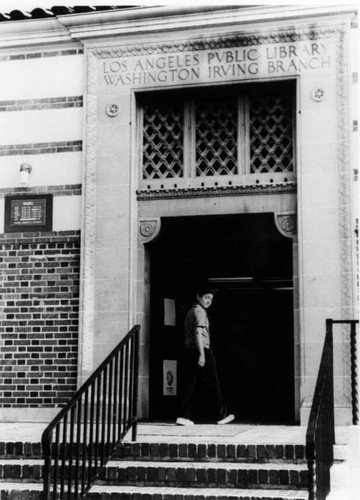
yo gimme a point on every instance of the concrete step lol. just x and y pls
(341, 452)
(210, 452)
(203, 474)
(340, 475)
(99, 492)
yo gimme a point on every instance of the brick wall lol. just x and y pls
(39, 318)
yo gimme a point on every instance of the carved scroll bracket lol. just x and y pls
(149, 229)
(286, 223)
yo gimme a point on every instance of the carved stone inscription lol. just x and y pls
(222, 64)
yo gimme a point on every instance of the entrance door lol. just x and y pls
(249, 263)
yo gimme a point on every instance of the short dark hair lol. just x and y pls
(201, 291)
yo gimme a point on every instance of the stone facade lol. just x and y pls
(128, 54)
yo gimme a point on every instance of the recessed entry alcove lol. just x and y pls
(250, 265)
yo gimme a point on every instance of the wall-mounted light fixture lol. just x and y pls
(25, 170)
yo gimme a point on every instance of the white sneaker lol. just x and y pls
(226, 420)
(184, 421)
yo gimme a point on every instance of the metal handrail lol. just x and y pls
(320, 435)
(79, 441)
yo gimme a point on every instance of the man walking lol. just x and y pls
(198, 362)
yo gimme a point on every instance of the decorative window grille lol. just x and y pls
(216, 137)
(163, 138)
(271, 134)
(233, 136)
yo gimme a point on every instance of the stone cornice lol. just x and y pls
(203, 192)
(138, 21)
(33, 32)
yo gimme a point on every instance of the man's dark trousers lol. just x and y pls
(191, 375)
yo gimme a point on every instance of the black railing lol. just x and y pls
(79, 441)
(320, 436)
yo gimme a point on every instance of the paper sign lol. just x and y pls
(169, 312)
(169, 377)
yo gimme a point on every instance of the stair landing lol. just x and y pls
(167, 432)
(230, 433)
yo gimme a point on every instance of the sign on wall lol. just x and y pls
(231, 63)
(169, 377)
(28, 213)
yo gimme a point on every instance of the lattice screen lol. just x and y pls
(163, 140)
(212, 131)
(216, 137)
(271, 134)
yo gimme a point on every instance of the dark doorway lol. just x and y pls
(249, 263)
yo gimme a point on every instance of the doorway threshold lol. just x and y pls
(230, 433)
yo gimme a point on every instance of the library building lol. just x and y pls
(146, 150)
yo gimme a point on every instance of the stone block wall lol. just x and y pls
(39, 318)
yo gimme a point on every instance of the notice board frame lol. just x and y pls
(14, 201)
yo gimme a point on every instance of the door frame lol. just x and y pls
(282, 205)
